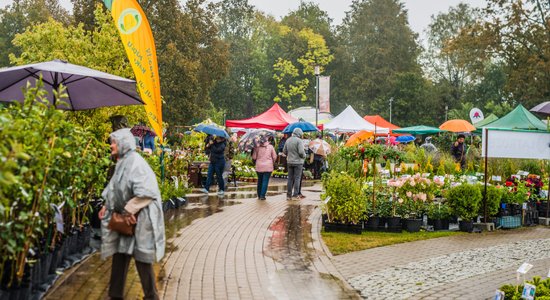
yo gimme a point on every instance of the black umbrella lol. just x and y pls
(86, 88)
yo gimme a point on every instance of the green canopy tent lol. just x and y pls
(519, 118)
(490, 119)
(418, 130)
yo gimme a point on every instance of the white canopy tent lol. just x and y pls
(350, 121)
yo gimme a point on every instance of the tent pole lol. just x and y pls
(486, 171)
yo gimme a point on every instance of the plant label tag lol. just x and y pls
(496, 178)
(523, 173)
(499, 295)
(425, 175)
(524, 206)
(524, 268)
(397, 170)
(405, 176)
(548, 275)
(515, 177)
(327, 199)
(480, 175)
(528, 291)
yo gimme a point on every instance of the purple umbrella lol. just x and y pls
(543, 108)
(86, 88)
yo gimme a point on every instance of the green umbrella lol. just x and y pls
(420, 129)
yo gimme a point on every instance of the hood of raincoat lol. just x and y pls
(124, 140)
(297, 132)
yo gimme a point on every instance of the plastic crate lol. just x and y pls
(509, 221)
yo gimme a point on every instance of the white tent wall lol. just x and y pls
(350, 121)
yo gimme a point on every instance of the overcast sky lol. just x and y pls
(420, 11)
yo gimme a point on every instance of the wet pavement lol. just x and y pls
(235, 247)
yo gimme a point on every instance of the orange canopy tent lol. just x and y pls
(359, 137)
(457, 125)
(380, 122)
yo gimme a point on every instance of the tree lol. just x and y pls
(83, 12)
(100, 49)
(376, 44)
(191, 57)
(21, 14)
(443, 64)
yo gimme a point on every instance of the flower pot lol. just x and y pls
(466, 226)
(440, 224)
(372, 224)
(347, 228)
(413, 225)
(394, 224)
(382, 223)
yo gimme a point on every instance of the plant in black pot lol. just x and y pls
(347, 204)
(438, 215)
(494, 196)
(464, 201)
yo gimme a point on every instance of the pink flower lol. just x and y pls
(409, 194)
(422, 196)
(400, 200)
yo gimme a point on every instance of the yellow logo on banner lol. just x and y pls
(129, 21)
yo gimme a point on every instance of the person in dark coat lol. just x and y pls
(458, 151)
(215, 148)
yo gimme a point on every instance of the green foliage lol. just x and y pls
(46, 159)
(347, 204)
(465, 200)
(542, 289)
(439, 211)
(494, 196)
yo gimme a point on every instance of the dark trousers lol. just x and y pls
(294, 180)
(215, 167)
(119, 271)
(263, 182)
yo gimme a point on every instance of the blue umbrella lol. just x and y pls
(305, 126)
(405, 139)
(212, 130)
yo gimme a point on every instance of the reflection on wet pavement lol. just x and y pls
(290, 247)
(90, 280)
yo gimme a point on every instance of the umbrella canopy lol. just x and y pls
(519, 118)
(543, 108)
(359, 137)
(457, 125)
(86, 88)
(319, 147)
(305, 126)
(254, 138)
(405, 139)
(307, 114)
(212, 130)
(420, 129)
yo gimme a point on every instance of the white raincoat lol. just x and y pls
(133, 177)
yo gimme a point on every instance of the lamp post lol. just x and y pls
(317, 72)
(446, 110)
(391, 100)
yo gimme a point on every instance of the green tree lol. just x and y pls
(376, 44)
(83, 12)
(443, 64)
(15, 18)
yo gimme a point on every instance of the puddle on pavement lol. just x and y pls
(90, 280)
(290, 248)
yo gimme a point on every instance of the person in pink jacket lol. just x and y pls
(265, 157)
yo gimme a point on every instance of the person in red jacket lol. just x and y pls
(265, 157)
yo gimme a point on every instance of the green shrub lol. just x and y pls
(346, 204)
(465, 200)
(439, 211)
(494, 196)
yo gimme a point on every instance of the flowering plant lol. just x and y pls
(517, 191)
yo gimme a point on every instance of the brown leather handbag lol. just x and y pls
(118, 223)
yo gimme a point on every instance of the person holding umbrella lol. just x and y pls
(458, 150)
(215, 149)
(294, 150)
(265, 157)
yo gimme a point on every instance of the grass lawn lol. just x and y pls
(341, 243)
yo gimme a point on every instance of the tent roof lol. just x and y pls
(519, 118)
(350, 121)
(307, 113)
(491, 118)
(420, 129)
(274, 118)
(379, 121)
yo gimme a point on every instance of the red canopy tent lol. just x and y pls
(274, 118)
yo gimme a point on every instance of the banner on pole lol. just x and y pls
(516, 144)
(137, 38)
(324, 94)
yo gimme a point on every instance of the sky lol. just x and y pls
(420, 11)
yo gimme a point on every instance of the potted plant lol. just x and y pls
(345, 204)
(493, 198)
(464, 201)
(438, 215)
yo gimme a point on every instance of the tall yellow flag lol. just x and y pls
(138, 41)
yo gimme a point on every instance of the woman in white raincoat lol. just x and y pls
(132, 189)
